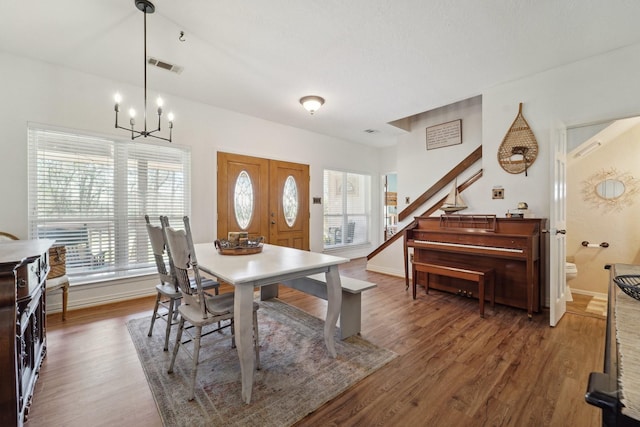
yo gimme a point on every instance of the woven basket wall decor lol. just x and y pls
(519, 148)
(57, 261)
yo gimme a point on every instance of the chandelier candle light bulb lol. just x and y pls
(132, 115)
(118, 98)
(160, 103)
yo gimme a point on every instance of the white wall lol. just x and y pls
(581, 92)
(598, 88)
(595, 222)
(42, 93)
(38, 92)
(419, 168)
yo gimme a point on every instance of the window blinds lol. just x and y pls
(347, 208)
(91, 194)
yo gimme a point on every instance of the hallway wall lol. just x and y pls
(589, 219)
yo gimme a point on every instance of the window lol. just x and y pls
(290, 200)
(243, 200)
(347, 209)
(91, 194)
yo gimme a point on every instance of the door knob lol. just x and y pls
(273, 222)
(561, 231)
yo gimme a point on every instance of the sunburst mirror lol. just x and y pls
(610, 189)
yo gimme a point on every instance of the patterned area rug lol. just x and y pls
(296, 377)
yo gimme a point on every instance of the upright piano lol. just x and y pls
(513, 247)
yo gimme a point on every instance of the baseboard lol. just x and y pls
(94, 294)
(384, 270)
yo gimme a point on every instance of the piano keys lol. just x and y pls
(513, 247)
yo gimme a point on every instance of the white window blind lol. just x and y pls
(347, 209)
(91, 194)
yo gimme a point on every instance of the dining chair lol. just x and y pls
(168, 295)
(198, 308)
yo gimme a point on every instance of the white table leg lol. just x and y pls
(243, 318)
(334, 302)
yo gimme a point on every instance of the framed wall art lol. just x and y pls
(444, 134)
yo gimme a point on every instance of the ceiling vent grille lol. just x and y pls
(164, 65)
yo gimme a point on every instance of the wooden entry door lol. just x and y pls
(261, 185)
(289, 204)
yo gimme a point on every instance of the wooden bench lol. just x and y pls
(316, 285)
(481, 276)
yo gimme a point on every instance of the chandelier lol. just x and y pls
(145, 7)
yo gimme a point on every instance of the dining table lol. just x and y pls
(273, 265)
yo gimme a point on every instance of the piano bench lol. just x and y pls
(481, 276)
(316, 285)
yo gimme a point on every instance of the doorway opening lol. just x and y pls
(603, 203)
(390, 205)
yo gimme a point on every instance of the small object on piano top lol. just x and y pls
(630, 284)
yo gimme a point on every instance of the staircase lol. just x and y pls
(432, 191)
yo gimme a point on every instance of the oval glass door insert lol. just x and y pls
(243, 200)
(290, 200)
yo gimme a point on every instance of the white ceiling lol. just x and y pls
(374, 61)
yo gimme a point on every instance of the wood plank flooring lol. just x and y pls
(581, 304)
(453, 368)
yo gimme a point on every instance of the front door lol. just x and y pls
(264, 197)
(289, 204)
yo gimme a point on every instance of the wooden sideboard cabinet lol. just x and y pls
(24, 265)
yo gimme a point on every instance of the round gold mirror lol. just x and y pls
(610, 189)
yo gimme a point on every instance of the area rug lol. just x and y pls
(297, 374)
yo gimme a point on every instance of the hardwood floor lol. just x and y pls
(453, 368)
(581, 305)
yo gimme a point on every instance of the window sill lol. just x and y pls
(342, 248)
(103, 278)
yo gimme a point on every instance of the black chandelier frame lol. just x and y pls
(146, 7)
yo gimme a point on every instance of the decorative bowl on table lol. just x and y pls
(242, 247)
(630, 284)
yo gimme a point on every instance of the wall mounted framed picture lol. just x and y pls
(444, 134)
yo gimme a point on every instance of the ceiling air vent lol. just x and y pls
(164, 65)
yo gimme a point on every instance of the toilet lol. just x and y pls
(571, 271)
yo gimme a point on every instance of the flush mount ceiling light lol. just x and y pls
(145, 7)
(311, 103)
